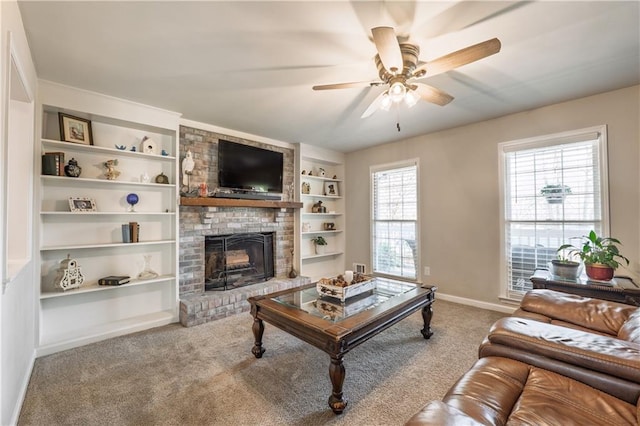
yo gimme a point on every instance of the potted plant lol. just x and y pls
(601, 255)
(564, 267)
(555, 193)
(320, 244)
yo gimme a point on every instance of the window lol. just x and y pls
(395, 239)
(553, 189)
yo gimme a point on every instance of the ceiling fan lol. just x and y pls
(398, 68)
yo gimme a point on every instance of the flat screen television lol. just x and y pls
(248, 168)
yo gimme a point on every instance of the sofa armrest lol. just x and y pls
(601, 316)
(437, 413)
(595, 352)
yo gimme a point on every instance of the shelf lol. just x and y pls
(233, 202)
(335, 197)
(321, 214)
(95, 287)
(302, 177)
(73, 181)
(109, 213)
(54, 144)
(335, 231)
(88, 246)
(318, 256)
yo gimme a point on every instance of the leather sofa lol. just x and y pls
(559, 359)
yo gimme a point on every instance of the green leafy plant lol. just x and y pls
(319, 241)
(595, 249)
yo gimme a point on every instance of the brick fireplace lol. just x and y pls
(198, 306)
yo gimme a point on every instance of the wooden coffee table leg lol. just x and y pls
(336, 373)
(258, 330)
(427, 314)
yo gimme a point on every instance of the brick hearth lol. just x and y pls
(198, 309)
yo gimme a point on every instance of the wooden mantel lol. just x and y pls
(233, 202)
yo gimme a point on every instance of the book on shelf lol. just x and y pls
(114, 280)
(53, 163)
(134, 231)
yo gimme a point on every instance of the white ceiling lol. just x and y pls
(249, 66)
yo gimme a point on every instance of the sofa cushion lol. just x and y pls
(501, 391)
(576, 311)
(539, 344)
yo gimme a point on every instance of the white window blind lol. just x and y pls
(395, 214)
(553, 192)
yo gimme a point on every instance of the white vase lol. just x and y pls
(320, 249)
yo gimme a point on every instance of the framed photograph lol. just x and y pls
(80, 204)
(331, 189)
(75, 129)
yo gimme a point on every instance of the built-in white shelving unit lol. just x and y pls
(94, 238)
(322, 181)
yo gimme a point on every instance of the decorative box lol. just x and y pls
(327, 287)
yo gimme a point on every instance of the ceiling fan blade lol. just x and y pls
(347, 85)
(374, 106)
(388, 48)
(431, 94)
(458, 58)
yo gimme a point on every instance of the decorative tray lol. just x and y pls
(338, 288)
(335, 309)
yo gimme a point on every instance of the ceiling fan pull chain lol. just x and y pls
(398, 117)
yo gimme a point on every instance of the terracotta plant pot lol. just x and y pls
(598, 271)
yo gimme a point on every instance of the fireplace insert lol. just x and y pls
(237, 260)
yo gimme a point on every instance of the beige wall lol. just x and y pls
(459, 198)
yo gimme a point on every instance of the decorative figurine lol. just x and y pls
(148, 145)
(144, 178)
(187, 169)
(121, 147)
(164, 153)
(72, 169)
(133, 149)
(304, 172)
(321, 172)
(112, 173)
(132, 199)
(306, 188)
(335, 177)
(69, 274)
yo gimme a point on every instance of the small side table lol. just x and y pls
(613, 291)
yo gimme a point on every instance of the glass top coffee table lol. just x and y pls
(337, 327)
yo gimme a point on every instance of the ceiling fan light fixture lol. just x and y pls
(385, 102)
(397, 91)
(411, 98)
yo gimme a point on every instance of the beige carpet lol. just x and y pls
(206, 375)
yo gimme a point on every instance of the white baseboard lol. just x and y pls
(23, 390)
(507, 309)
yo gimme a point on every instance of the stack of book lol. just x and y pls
(53, 163)
(114, 280)
(130, 232)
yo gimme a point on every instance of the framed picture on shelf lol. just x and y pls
(81, 204)
(331, 189)
(75, 129)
